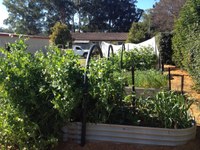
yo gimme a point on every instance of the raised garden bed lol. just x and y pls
(144, 92)
(129, 134)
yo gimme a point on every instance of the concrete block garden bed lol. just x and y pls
(145, 92)
(129, 134)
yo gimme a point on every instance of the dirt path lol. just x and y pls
(195, 110)
(188, 88)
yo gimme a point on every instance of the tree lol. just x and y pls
(37, 16)
(60, 34)
(141, 31)
(59, 11)
(110, 15)
(25, 16)
(164, 13)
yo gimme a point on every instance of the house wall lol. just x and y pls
(34, 43)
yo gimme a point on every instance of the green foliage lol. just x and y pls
(112, 15)
(193, 45)
(186, 39)
(60, 34)
(25, 17)
(166, 110)
(62, 72)
(164, 41)
(187, 22)
(138, 33)
(142, 59)
(106, 87)
(38, 95)
(147, 79)
(141, 31)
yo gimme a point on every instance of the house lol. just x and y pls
(34, 42)
(86, 39)
(82, 39)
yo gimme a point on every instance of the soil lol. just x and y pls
(195, 111)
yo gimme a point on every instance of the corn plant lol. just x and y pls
(166, 110)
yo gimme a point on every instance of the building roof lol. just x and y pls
(100, 36)
(18, 35)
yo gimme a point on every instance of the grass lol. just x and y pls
(82, 61)
(147, 79)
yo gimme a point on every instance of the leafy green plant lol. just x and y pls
(60, 34)
(147, 79)
(167, 110)
(164, 42)
(64, 77)
(38, 94)
(184, 27)
(142, 59)
(105, 89)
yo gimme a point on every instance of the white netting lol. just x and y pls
(129, 46)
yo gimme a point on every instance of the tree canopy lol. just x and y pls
(164, 13)
(37, 16)
(141, 31)
(111, 15)
(25, 16)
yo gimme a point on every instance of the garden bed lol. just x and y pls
(129, 134)
(144, 92)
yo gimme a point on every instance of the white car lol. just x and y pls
(80, 51)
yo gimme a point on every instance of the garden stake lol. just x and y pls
(182, 84)
(169, 78)
(123, 49)
(162, 65)
(85, 98)
(133, 87)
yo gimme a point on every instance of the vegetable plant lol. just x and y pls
(142, 59)
(147, 79)
(38, 95)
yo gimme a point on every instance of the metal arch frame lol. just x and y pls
(123, 49)
(110, 48)
(85, 83)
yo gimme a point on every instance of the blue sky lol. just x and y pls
(143, 4)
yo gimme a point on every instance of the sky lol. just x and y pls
(143, 4)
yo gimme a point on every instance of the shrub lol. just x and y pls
(187, 22)
(164, 41)
(138, 33)
(38, 94)
(60, 34)
(186, 39)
